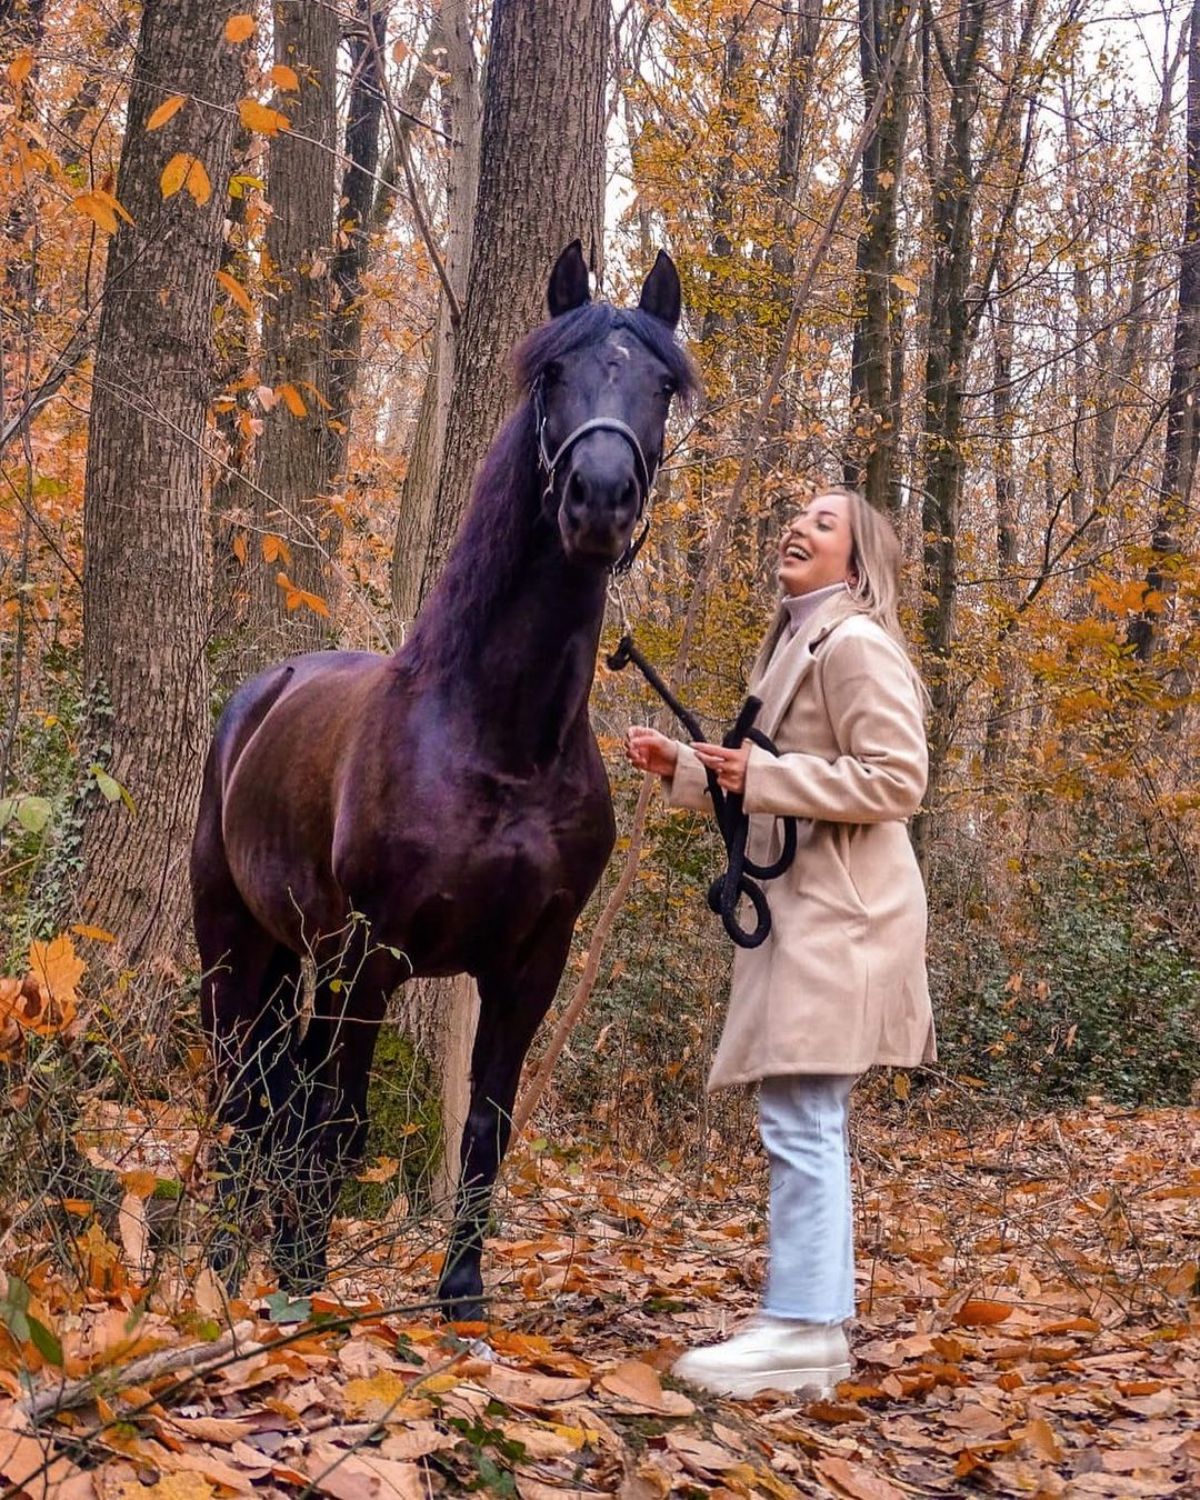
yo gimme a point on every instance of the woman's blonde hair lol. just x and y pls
(876, 557)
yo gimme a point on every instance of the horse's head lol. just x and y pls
(601, 395)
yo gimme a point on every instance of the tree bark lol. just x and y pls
(291, 503)
(146, 574)
(538, 189)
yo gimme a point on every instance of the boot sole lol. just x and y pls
(816, 1384)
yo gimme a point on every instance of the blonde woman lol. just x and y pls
(840, 983)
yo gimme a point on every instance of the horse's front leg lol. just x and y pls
(511, 1007)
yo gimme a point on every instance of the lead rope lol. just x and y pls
(741, 873)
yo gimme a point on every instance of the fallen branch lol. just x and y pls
(193, 1358)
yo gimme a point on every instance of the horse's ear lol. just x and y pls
(662, 295)
(568, 287)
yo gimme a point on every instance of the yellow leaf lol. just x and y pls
(20, 68)
(292, 399)
(284, 78)
(97, 934)
(906, 284)
(165, 111)
(261, 117)
(56, 967)
(236, 290)
(239, 28)
(100, 212)
(186, 171)
(901, 1085)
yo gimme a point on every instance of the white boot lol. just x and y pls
(781, 1354)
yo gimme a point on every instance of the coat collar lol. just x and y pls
(776, 675)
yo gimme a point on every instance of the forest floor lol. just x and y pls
(1028, 1326)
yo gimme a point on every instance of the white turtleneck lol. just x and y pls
(802, 607)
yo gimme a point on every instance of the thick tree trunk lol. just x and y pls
(541, 184)
(292, 502)
(146, 574)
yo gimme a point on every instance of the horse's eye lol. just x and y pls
(552, 374)
(669, 387)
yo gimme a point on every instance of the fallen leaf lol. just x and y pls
(852, 1479)
(639, 1385)
(362, 1475)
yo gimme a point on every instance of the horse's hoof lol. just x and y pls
(462, 1305)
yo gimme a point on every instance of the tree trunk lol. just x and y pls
(1180, 446)
(291, 504)
(948, 345)
(146, 574)
(462, 111)
(364, 113)
(539, 188)
(877, 361)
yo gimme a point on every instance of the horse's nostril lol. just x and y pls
(577, 490)
(629, 494)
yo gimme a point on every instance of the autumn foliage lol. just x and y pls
(961, 239)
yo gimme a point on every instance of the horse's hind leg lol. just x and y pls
(324, 1122)
(248, 1000)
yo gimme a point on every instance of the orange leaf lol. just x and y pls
(239, 548)
(261, 117)
(186, 171)
(274, 549)
(20, 68)
(239, 28)
(100, 212)
(236, 290)
(97, 934)
(284, 78)
(165, 111)
(978, 1313)
(293, 399)
(57, 968)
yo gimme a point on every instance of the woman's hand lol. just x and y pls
(650, 751)
(729, 766)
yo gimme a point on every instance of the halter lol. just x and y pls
(549, 465)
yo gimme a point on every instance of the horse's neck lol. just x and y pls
(509, 636)
(532, 672)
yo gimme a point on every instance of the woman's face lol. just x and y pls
(817, 546)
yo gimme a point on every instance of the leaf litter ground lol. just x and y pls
(1028, 1326)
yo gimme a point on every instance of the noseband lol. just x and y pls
(549, 464)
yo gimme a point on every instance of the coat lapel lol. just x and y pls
(776, 675)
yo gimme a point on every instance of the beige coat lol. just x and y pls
(840, 983)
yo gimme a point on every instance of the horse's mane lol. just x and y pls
(505, 498)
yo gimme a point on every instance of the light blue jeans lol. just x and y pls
(804, 1121)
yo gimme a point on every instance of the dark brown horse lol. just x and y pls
(438, 811)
